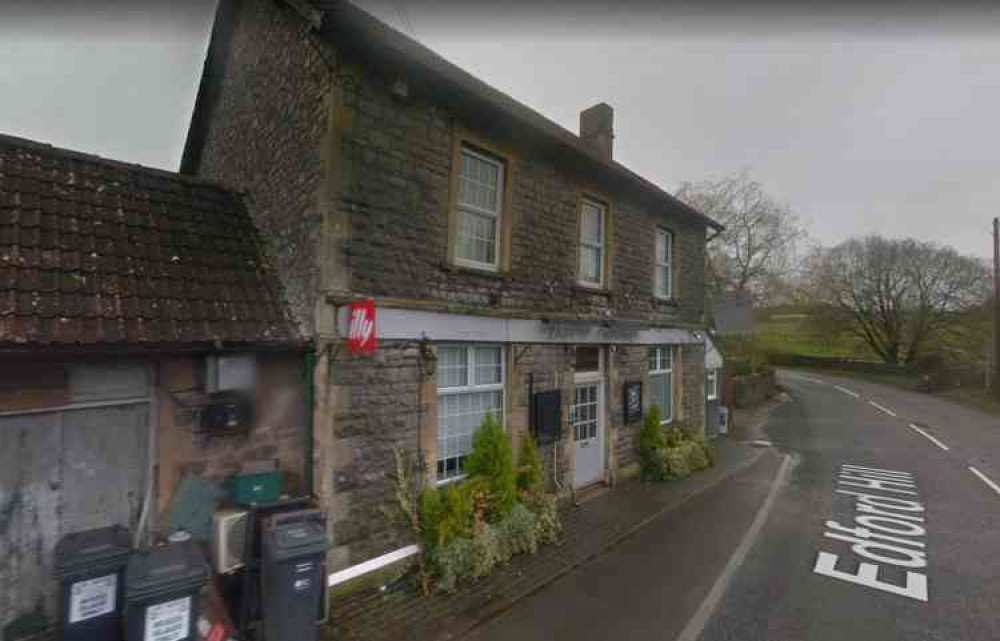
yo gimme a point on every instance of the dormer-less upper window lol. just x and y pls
(480, 199)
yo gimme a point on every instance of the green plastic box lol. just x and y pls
(262, 487)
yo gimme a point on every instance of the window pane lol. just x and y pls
(590, 264)
(591, 223)
(452, 367)
(477, 236)
(459, 416)
(663, 248)
(479, 183)
(660, 394)
(489, 369)
(662, 274)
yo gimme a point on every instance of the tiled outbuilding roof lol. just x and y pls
(94, 251)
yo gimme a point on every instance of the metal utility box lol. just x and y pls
(294, 575)
(162, 589)
(90, 566)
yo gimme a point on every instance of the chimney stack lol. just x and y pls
(597, 128)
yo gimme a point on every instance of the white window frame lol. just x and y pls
(465, 208)
(663, 235)
(600, 246)
(668, 371)
(471, 388)
(712, 379)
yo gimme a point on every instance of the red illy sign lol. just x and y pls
(361, 326)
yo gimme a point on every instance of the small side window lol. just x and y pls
(663, 265)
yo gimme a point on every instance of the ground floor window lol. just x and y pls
(712, 384)
(470, 387)
(661, 380)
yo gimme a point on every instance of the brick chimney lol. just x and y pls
(597, 128)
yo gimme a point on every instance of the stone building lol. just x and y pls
(121, 289)
(506, 256)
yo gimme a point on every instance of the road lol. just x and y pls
(877, 527)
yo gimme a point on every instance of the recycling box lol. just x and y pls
(162, 589)
(90, 567)
(293, 575)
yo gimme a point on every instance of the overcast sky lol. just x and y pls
(873, 122)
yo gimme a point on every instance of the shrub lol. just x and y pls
(697, 459)
(706, 449)
(452, 563)
(675, 462)
(492, 459)
(529, 466)
(547, 523)
(446, 513)
(651, 444)
(518, 533)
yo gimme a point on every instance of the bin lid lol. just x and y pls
(296, 539)
(104, 549)
(177, 567)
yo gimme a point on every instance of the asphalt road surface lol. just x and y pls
(876, 516)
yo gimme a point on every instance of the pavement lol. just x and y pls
(914, 552)
(603, 524)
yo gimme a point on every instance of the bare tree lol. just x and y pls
(896, 295)
(757, 248)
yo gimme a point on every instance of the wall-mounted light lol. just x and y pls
(428, 357)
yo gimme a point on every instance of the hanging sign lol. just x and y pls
(361, 326)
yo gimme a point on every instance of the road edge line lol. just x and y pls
(884, 410)
(696, 625)
(502, 606)
(929, 437)
(847, 391)
(985, 479)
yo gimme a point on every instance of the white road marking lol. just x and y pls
(883, 409)
(806, 378)
(985, 479)
(696, 625)
(929, 437)
(848, 392)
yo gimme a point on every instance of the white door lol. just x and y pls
(586, 418)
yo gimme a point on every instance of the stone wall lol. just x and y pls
(378, 404)
(263, 139)
(277, 435)
(398, 156)
(693, 380)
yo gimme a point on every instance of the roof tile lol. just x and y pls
(96, 251)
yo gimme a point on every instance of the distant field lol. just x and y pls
(790, 331)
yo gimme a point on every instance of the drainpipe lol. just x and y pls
(308, 379)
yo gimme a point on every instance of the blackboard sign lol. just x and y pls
(633, 402)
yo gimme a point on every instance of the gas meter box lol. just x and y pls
(294, 574)
(90, 567)
(162, 593)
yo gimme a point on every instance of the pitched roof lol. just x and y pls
(349, 27)
(99, 252)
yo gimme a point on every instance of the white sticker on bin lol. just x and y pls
(92, 598)
(169, 621)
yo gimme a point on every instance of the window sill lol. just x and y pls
(475, 271)
(449, 481)
(591, 289)
(665, 302)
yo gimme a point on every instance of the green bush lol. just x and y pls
(529, 466)
(452, 563)
(518, 533)
(651, 444)
(706, 448)
(546, 511)
(675, 462)
(697, 459)
(446, 513)
(492, 459)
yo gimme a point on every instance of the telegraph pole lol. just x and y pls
(996, 307)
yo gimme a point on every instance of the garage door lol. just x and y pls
(69, 468)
